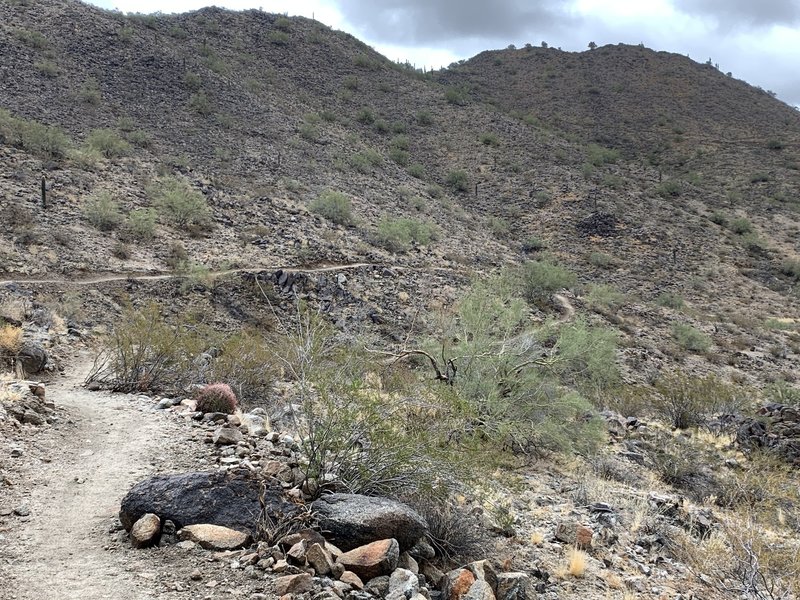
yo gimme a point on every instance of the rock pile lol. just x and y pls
(25, 403)
(778, 429)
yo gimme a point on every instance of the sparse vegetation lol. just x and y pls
(541, 278)
(179, 204)
(334, 206)
(458, 180)
(102, 211)
(670, 300)
(108, 143)
(689, 338)
(216, 398)
(398, 235)
(457, 96)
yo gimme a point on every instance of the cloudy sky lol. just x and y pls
(759, 41)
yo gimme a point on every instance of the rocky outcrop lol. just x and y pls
(227, 499)
(352, 520)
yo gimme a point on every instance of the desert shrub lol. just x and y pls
(719, 218)
(457, 96)
(533, 244)
(398, 235)
(283, 24)
(39, 139)
(401, 142)
(10, 339)
(139, 138)
(279, 38)
(181, 205)
(47, 68)
(458, 180)
(417, 171)
(685, 401)
(586, 357)
(381, 126)
(669, 189)
(146, 353)
(670, 300)
(759, 177)
(216, 398)
(741, 226)
(108, 143)
(85, 158)
(309, 132)
(366, 160)
(499, 226)
(604, 297)
(201, 104)
(247, 363)
(489, 139)
(539, 279)
(401, 157)
(193, 81)
(775, 145)
(90, 93)
(121, 250)
(602, 260)
(689, 338)
(141, 224)
(454, 533)
(334, 206)
(424, 118)
(791, 268)
(102, 211)
(365, 116)
(31, 38)
(598, 156)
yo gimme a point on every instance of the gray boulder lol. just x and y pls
(353, 520)
(230, 499)
(32, 357)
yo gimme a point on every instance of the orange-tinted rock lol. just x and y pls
(372, 560)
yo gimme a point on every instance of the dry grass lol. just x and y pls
(577, 562)
(10, 339)
(537, 537)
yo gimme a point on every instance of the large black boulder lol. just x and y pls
(32, 357)
(353, 520)
(216, 498)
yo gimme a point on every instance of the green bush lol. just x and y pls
(598, 156)
(279, 38)
(401, 157)
(741, 226)
(424, 118)
(44, 141)
(334, 206)
(365, 116)
(181, 205)
(365, 161)
(401, 142)
(490, 139)
(533, 244)
(103, 212)
(602, 260)
(604, 297)
(141, 224)
(31, 38)
(458, 96)
(670, 300)
(669, 189)
(417, 171)
(538, 280)
(90, 93)
(193, 81)
(458, 180)
(689, 338)
(398, 235)
(47, 68)
(283, 24)
(108, 143)
(685, 401)
(201, 104)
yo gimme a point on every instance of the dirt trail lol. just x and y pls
(134, 276)
(61, 548)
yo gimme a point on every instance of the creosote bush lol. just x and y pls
(108, 143)
(103, 212)
(685, 401)
(541, 278)
(458, 180)
(690, 338)
(216, 398)
(399, 234)
(36, 138)
(334, 206)
(181, 205)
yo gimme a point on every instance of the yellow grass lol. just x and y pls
(10, 339)
(577, 562)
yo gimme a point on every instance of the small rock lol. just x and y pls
(352, 580)
(16, 452)
(404, 583)
(372, 560)
(196, 575)
(214, 537)
(297, 553)
(145, 531)
(164, 403)
(319, 559)
(294, 584)
(457, 583)
(480, 590)
(186, 545)
(225, 436)
(22, 510)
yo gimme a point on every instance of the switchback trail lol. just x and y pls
(138, 276)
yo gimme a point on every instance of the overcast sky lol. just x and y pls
(757, 40)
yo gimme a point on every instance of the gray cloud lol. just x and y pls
(743, 13)
(438, 21)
